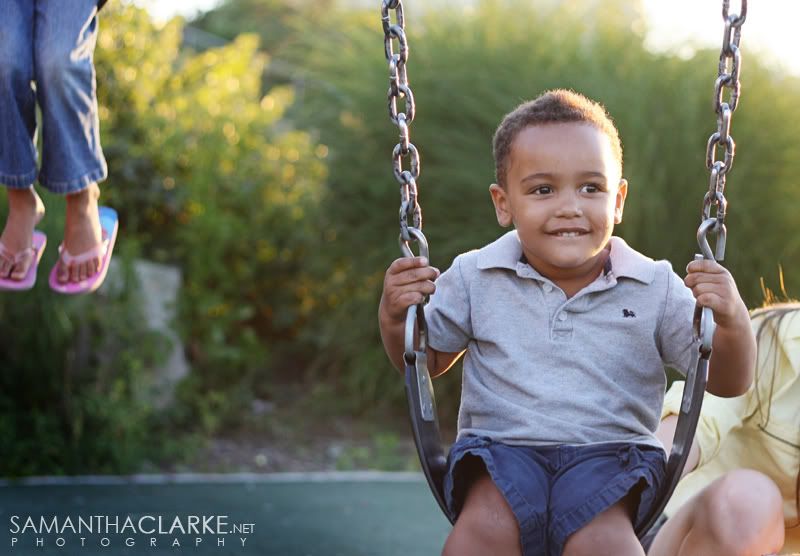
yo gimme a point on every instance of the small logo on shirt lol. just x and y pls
(628, 313)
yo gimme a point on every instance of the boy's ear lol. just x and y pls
(619, 202)
(501, 208)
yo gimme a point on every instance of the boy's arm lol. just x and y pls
(393, 336)
(407, 282)
(732, 364)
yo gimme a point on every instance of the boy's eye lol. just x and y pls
(591, 188)
(541, 190)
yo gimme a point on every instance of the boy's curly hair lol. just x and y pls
(552, 107)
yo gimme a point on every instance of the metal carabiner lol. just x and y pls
(703, 321)
(415, 316)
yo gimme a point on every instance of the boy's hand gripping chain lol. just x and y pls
(419, 390)
(703, 322)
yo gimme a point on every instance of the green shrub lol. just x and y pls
(73, 372)
(223, 186)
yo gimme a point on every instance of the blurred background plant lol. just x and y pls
(252, 151)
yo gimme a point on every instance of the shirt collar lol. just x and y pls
(506, 252)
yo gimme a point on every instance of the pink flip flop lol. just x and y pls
(109, 223)
(33, 254)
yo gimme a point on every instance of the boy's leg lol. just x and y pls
(486, 524)
(599, 494)
(18, 118)
(499, 494)
(72, 159)
(739, 514)
(609, 533)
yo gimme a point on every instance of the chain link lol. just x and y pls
(399, 90)
(730, 63)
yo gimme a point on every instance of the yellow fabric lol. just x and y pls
(749, 431)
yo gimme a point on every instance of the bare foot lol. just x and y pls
(25, 209)
(82, 232)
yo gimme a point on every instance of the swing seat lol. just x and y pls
(425, 428)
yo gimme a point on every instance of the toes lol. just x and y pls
(79, 272)
(19, 272)
(74, 273)
(63, 273)
(89, 269)
(10, 270)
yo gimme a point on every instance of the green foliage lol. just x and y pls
(221, 185)
(384, 452)
(277, 23)
(274, 21)
(74, 372)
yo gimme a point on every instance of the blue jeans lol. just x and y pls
(51, 43)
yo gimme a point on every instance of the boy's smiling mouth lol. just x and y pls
(568, 232)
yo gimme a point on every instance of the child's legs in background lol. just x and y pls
(17, 130)
(17, 100)
(72, 159)
(739, 514)
(64, 42)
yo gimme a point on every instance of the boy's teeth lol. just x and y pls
(567, 234)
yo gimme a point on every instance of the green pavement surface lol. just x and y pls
(337, 514)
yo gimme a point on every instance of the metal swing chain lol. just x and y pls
(410, 210)
(730, 60)
(399, 90)
(703, 321)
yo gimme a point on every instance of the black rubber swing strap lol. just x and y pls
(688, 417)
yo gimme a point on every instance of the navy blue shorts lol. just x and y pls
(555, 490)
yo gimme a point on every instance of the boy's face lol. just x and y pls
(564, 193)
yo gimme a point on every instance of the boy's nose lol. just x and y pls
(570, 209)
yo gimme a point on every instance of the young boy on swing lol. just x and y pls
(566, 331)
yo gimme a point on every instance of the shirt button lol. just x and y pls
(562, 317)
(548, 288)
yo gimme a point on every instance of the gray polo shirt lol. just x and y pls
(544, 369)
